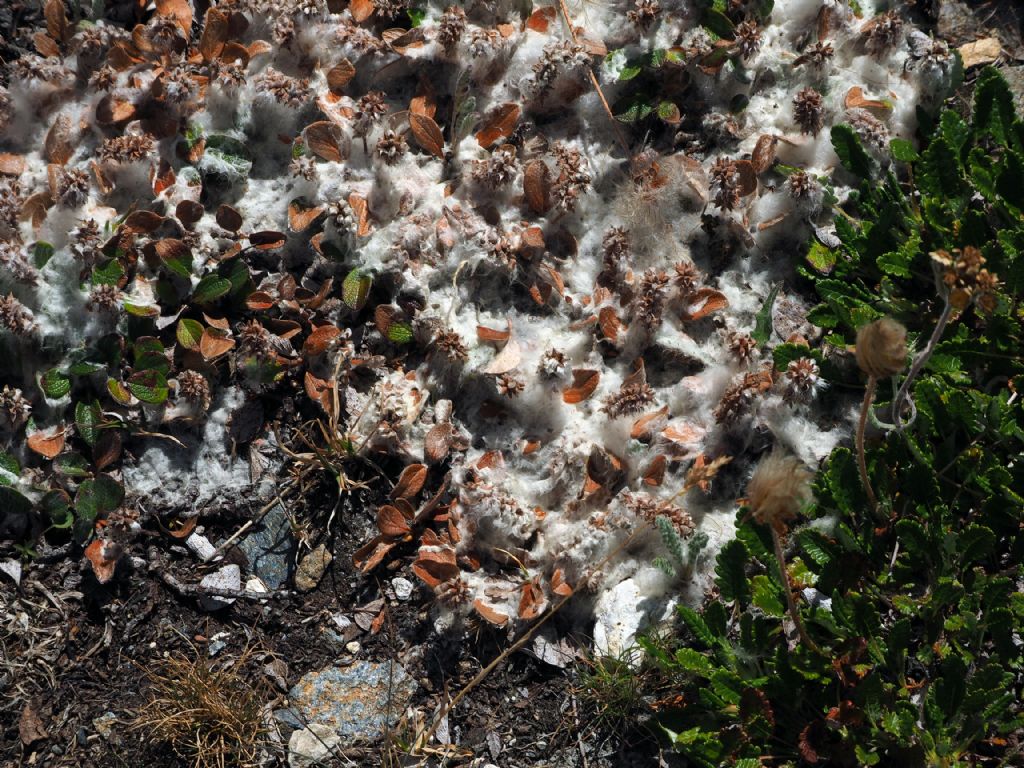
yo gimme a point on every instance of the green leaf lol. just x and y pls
(766, 596)
(355, 290)
(994, 113)
(696, 624)
(717, 22)
(903, 151)
(898, 262)
(85, 368)
(13, 503)
(763, 325)
(71, 464)
(88, 419)
(210, 288)
(821, 257)
(416, 16)
(149, 386)
(730, 572)
(8, 464)
(693, 661)
(189, 332)
(54, 384)
(42, 252)
(119, 392)
(400, 332)
(669, 112)
(851, 152)
(975, 543)
(56, 506)
(784, 354)
(108, 274)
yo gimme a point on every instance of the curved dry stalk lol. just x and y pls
(788, 589)
(862, 465)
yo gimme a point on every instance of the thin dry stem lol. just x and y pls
(787, 587)
(862, 465)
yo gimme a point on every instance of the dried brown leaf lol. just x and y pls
(215, 34)
(103, 556)
(410, 482)
(361, 10)
(11, 164)
(763, 156)
(188, 212)
(490, 614)
(499, 124)
(391, 522)
(56, 20)
(57, 147)
(427, 134)
(537, 185)
(47, 442)
(584, 382)
(327, 141)
(339, 76)
(180, 11)
(214, 342)
(506, 360)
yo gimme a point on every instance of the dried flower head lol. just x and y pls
(391, 147)
(454, 592)
(553, 364)
(882, 348)
(510, 385)
(632, 398)
(449, 344)
(801, 185)
(882, 33)
(370, 108)
(16, 264)
(15, 316)
(14, 409)
(817, 55)
(303, 167)
(253, 340)
(966, 280)
(126, 149)
(104, 298)
(742, 346)
(737, 399)
(725, 181)
(289, 91)
(498, 169)
(803, 379)
(647, 508)
(779, 487)
(748, 38)
(649, 303)
(869, 128)
(809, 111)
(687, 278)
(573, 180)
(451, 27)
(193, 387)
(643, 14)
(564, 57)
(72, 187)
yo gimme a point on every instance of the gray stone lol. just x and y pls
(403, 588)
(357, 701)
(288, 719)
(269, 547)
(312, 568)
(312, 746)
(228, 577)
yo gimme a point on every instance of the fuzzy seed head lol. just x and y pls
(14, 409)
(809, 111)
(777, 490)
(882, 348)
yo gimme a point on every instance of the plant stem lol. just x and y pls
(862, 464)
(787, 587)
(915, 367)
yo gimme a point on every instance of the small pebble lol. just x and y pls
(353, 647)
(403, 588)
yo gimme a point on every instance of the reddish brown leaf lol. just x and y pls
(609, 323)
(537, 185)
(56, 20)
(214, 342)
(30, 726)
(541, 19)
(559, 585)
(11, 165)
(855, 99)
(215, 34)
(435, 566)
(325, 140)
(178, 528)
(170, 248)
(748, 178)
(103, 556)
(258, 301)
(228, 218)
(107, 449)
(188, 212)
(584, 382)
(267, 240)
(361, 10)
(499, 124)
(703, 302)
(410, 482)
(391, 522)
(47, 442)
(35, 207)
(533, 237)
(438, 442)
(111, 110)
(46, 45)
(300, 216)
(340, 75)
(320, 340)
(504, 361)
(483, 333)
(425, 101)
(362, 212)
(57, 147)
(490, 614)
(533, 602)
(763, 156)
(427, 134)
(143, 222)
(164, 178)
(180, 11)
(320, 391)
(372, 554)
(644, 426)
(654, 473)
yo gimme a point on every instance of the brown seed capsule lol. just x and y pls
(882, 348)
(779, 487)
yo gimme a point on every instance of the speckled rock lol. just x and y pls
(269, 548)
(311, 746)
(356, 701)
(228, 577)
(312, 568)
